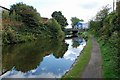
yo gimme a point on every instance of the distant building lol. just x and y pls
(78, 25)
(81, 25)
(45, 20)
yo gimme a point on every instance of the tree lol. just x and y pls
(118, 13)
(57, 15)
(118, 29)
(101, 15)
(5, 14)
(27, 14)
(75, 20)
(98, 23)
(13, 16)
(55, 29)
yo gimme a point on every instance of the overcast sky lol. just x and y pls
(83, 9)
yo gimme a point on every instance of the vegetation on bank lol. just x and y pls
(84, 35)
(81, 62)
(106, 28)
(109, 61)
(23, 23)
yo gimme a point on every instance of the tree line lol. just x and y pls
(23, 23)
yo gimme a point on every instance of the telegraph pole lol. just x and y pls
(113, 5)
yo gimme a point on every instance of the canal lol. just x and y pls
(44, 58)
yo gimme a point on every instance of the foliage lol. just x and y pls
(13, 16)
(57, 15)
(118, 7)
(101, 15)
(24, 24)
(118, 15)
(55, 29)
(106, 27)
(110, 59)
(10, 36)
(97, 24)
(84, 35)
(75, 20)
(27, 14)
(5, 14)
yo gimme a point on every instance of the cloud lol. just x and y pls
(72, 53)
(19, 74)
(7, 3)
(89, 5)
(83, 9)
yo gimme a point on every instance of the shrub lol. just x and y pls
(84, 35)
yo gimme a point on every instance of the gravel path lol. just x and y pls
(93, 69)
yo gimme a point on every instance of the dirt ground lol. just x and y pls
(93, 69)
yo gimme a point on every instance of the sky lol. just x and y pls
(82, 9)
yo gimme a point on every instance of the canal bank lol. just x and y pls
(89, 64)
(81, 62)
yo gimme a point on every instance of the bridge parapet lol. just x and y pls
(74, 29)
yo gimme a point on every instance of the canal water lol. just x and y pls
(45, 58)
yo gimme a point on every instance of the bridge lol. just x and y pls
(74, 29)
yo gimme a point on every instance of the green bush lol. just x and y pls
(84, 35)
(54, 29)
(27, 14)
(10, 36)
(32, 26)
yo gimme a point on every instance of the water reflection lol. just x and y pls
(41, 59)
(74, 51)
(27, 56)
(76, 42)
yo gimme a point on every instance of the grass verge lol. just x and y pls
(108, 61)
(81, 62)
